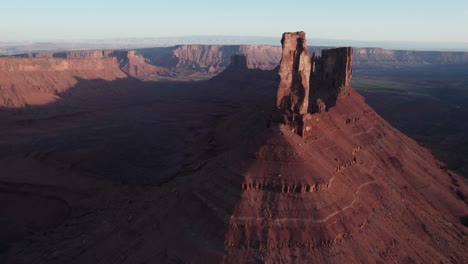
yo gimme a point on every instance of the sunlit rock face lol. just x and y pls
(294, 71)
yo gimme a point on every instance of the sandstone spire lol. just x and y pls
(293, 90)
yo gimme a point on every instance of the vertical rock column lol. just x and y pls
(294, 71)
(292, 99)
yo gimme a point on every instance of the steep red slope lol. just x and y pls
(353, 189)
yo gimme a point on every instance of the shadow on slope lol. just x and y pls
(123, 130)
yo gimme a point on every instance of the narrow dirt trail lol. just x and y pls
(308, 220)
(282, 220)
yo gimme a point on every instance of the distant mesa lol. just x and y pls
(161, 63)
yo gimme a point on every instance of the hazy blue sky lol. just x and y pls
(399, 20)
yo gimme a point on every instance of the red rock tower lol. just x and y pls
(293, 90)
(292, 99)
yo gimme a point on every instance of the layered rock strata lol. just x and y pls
(39, 81)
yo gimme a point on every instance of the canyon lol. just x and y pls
(183, 62)
(212, 59)
(258, 164)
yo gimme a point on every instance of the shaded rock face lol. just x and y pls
(294, 71)
(238, 61)
(330, 75)
(337, 67)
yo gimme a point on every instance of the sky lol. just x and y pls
(376, 20)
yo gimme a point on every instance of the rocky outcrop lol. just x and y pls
(286, 199)
(327, 76)
(292, 98)
(330, 75)
(334, 68)
(294, 71)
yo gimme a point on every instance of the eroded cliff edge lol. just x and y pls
(38, 81)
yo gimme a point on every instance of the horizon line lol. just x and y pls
(52, 40)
